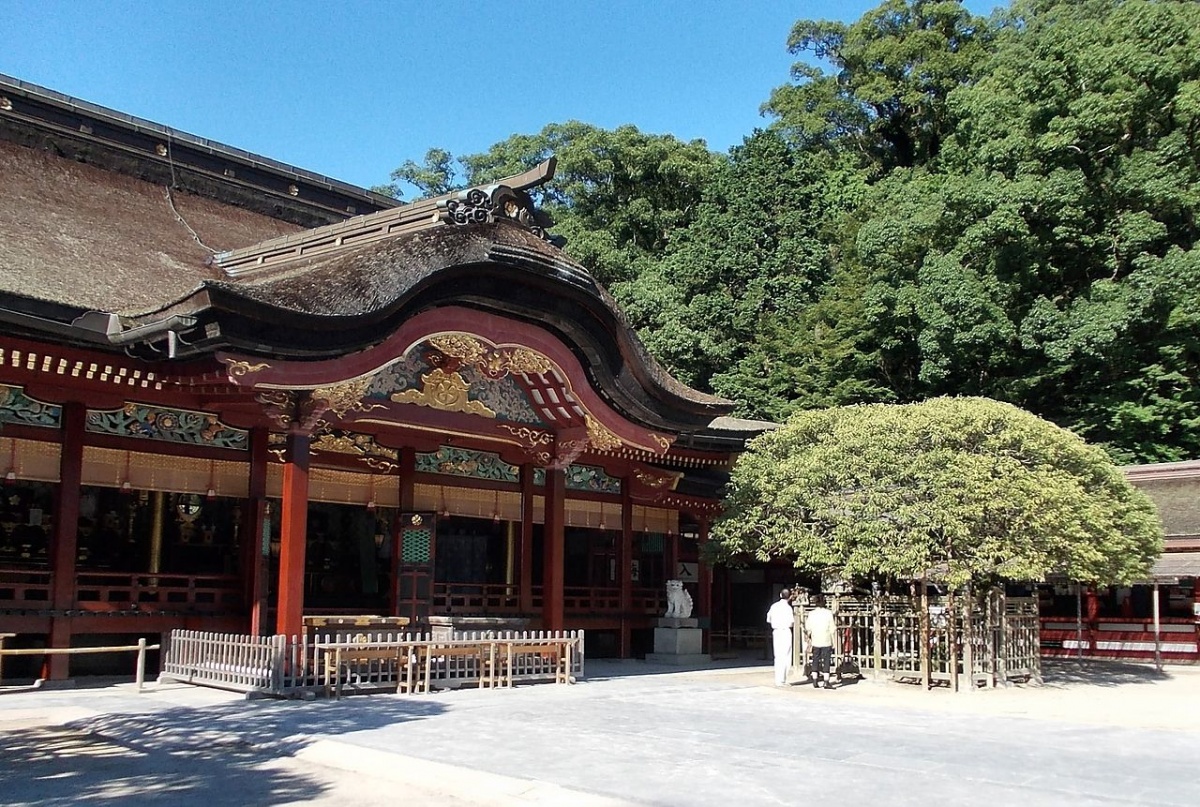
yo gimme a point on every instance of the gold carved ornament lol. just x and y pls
(492, 361)
(531, 437)
(346, 396)
(358, 445)
(655, 481)
(444, 391)
(518, 360)
(459, 346)
(238, 368)
(599, 435)
(280, 405)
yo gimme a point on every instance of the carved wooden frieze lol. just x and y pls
(360, 446)
(17, 407)
(169, 425)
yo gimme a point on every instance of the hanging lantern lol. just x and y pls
(126, 485)
(10, 478)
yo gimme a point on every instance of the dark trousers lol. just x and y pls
(822, 657)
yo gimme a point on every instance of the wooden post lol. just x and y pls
(1157, 632)
(66, 528)
(704, 586)
(969, 637)
(255, 551)
(1002, 649)
(526, 565)
(293, 532)
(625, 572)
(1079, 620)
(951, 639)
(671, 555)
(140, 673)
(555, 550)
(926, 661)
(877, 633)
(407, 498)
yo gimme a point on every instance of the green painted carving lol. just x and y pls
(464, 462)
(169, 425)
(591, 478)
(583, 477)
(17, 407)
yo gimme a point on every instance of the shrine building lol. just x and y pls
(234, 393)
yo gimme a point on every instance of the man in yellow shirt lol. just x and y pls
(821, 629)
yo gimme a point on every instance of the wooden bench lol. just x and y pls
(403, 657)
(484, 654)
(552, 657)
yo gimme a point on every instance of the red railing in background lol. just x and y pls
(1179, 639)
(500, 599)
(25, 588)
(124, 591)
(476, 599)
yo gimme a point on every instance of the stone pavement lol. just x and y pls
(631, 734)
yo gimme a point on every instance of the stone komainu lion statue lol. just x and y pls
(679, 602)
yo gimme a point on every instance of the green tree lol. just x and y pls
(618, 195)
(1048, 255)
(952, 489)
(438, 174)
(892, 72)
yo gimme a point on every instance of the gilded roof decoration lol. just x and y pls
(600, 436)
(665, 480)
(530, 437)
(444, 391)
(280, 405)
(17, 407)
(360, 446)
(466, 357)
(169, 425)
(237, 367)
(346, 396)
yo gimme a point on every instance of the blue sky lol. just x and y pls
(351, 89)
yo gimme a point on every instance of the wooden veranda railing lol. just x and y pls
(25, 588)
(100, 591)
(121, 591)
(385, 660)
(503, 599)
(988, 640)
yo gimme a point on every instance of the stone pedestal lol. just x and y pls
(678, 641)
(447, 628)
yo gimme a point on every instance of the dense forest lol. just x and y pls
(949, 204)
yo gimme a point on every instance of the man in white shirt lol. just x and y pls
(821, 628)
(780, 618)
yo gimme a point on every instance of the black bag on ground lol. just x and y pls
(848, 668)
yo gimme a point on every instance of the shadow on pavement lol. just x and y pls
(216, 754)
(1096, 672)
(607, 669)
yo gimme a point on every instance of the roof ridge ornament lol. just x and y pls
(506, 199)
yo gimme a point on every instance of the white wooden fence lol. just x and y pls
(372, 661)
